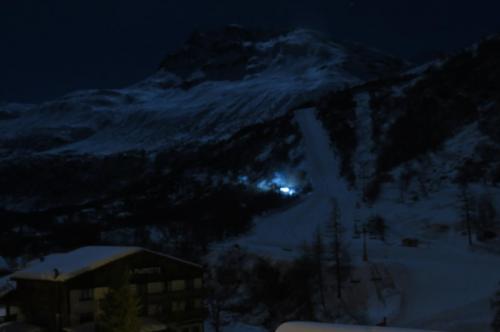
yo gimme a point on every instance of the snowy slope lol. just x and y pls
(289, 230)
(444, 284)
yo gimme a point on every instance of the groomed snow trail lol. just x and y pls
(280, 235)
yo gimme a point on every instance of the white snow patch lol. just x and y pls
(322, 327)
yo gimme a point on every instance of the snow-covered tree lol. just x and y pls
(300, 278)
(120, 309)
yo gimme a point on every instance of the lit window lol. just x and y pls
(134, 289)
(197, 283)
(178, 306)
(155, 287)
(86, 294)
(100, 293)
(177, 285)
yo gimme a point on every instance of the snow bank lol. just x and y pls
(320, 327)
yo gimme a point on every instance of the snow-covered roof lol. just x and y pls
(321, 327)
(76, 262)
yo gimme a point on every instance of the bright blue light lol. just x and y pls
(278, 183)
(287, 191)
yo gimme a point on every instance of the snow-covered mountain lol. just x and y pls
(216, 84)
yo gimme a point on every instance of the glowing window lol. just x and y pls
(177, 285)
(100, 292)
(155, 287)
(134, 289)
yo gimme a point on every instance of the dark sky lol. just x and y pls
(51, 47)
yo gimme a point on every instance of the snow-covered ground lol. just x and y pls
(235, 327)
(318, 327)
(443, 284)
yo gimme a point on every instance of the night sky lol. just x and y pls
(51, 47)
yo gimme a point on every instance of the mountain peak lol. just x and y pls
(233, 53)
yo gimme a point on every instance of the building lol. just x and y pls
(63, 291)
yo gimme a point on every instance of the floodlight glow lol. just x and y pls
(287, 191)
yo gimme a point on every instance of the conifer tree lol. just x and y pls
(318, 257)
(120, 309)
(466, 210)
(300, 278)
(339, 254)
